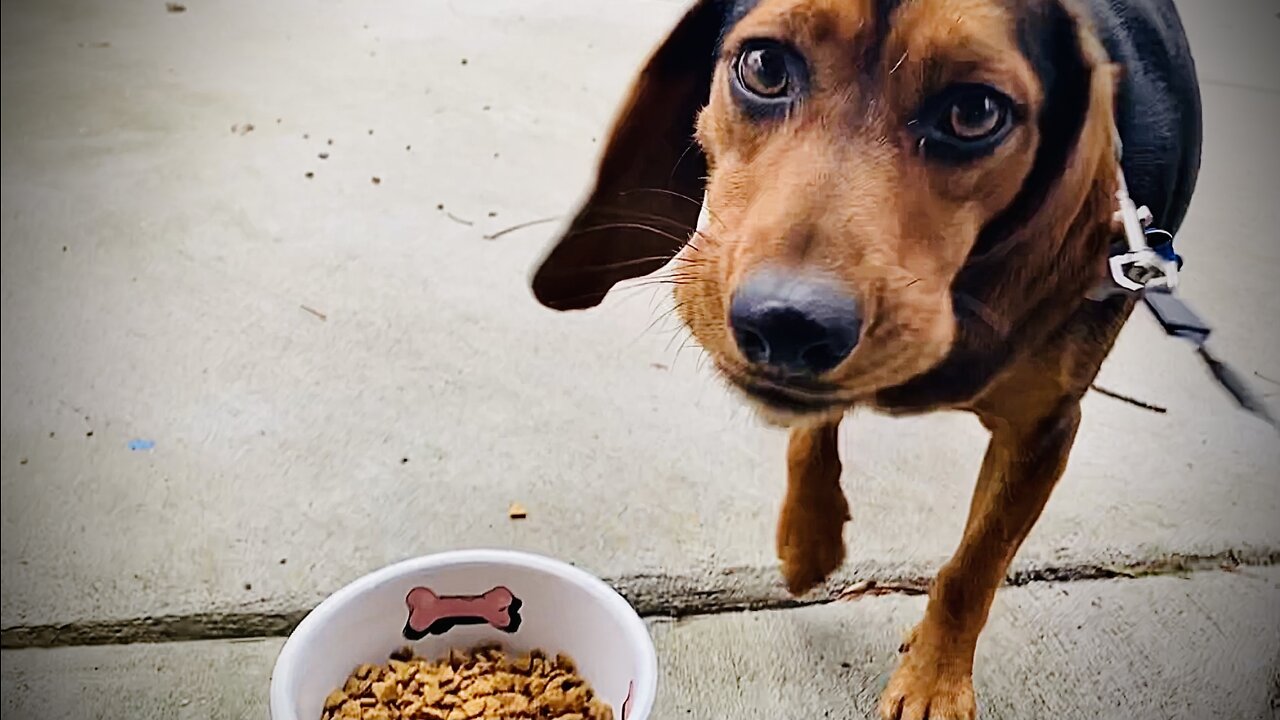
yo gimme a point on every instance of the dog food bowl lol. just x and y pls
(436, 603)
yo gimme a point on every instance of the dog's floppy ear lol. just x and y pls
(648, 190)
(1075, 160)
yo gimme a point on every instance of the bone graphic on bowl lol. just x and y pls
(432, 614)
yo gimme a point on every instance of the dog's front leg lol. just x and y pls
(1023, 463)
(811, 525)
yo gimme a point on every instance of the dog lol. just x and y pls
(905, 205)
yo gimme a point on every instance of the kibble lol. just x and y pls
(484, 684)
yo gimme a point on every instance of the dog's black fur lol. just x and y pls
(1158, 104)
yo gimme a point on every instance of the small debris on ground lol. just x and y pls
(324, 156)
(408, 147)
(517, 511)
(464, 61)
(375, 180)
(329, 141)
(174, 7)
(404, 461)
(140, 444)
(284, 560)
(95, 45)
(310, 175)
(248, 586)
(310, 309)
(23, 461)
(370, 131)
(242, 128)
(872, 588)
(458, 220)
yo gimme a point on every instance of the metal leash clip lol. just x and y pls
(1142, 268)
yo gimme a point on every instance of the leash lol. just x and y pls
(1148, 265)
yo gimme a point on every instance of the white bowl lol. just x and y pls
(548, 605)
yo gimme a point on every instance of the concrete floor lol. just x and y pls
(337, 374)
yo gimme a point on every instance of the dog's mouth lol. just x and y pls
(787, 400)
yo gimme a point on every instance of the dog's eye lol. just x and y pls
(975, 116)
(964, 122)
(767, 78)
(762, 71)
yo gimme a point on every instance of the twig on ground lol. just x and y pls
(519, 226)
(457, 219)
(1264, 377)
(1131, 400)
(315, 312)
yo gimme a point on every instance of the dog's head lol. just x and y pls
(852, 189)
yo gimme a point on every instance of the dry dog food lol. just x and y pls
(482, 683)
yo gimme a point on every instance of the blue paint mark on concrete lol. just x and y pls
(137, 445)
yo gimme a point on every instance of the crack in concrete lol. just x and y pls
(654, 595)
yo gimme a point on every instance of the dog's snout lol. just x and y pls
(794, 323)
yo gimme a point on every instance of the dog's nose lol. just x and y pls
(795, 323)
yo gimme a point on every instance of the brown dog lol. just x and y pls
(905, 205)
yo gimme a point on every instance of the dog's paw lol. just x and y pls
(804, 567)
(811, 542)
(927, 690)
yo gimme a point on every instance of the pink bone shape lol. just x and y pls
(425, 607)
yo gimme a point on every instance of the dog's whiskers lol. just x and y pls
(680, 195)
(630, 226)
(629, 263)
